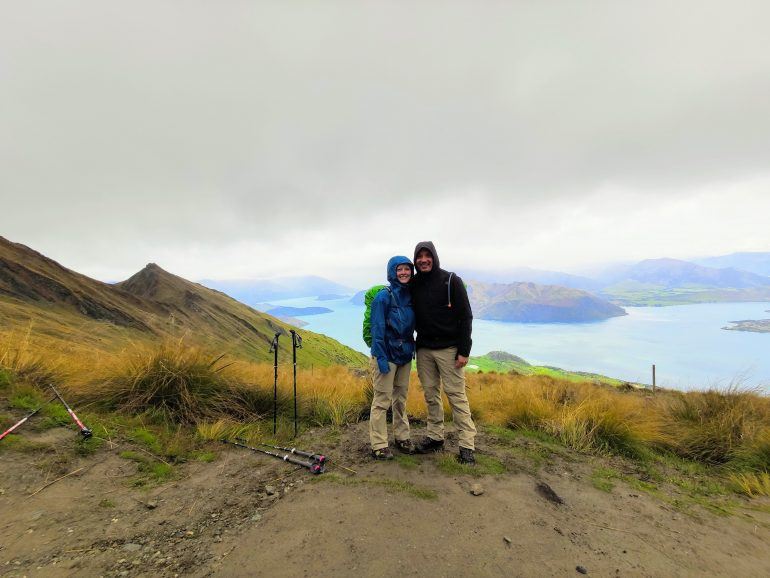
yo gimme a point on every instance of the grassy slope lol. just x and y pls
(67, 311)
(656, 296)
(489, 362)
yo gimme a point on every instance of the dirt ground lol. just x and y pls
(250, 515)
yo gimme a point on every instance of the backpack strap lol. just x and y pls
(449, 290)
(393, 303)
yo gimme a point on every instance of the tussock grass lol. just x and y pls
(22, 359)
(751, 484)
(176, 384)
(717, 427)
(154, 394)
(231, 429)
(582, 416)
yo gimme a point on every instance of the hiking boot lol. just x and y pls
(466, 457)
(405, 446)
(428, 445)
(382, 454)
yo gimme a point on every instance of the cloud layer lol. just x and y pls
(246, 139)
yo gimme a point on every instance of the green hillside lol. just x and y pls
(503, 362)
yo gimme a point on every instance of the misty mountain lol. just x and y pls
(533, 303)
(756, 262)
(530, 275)
(671, 273)
(254, 291)
(358, 298)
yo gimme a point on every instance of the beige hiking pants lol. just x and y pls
(390, 389)
(437, 366)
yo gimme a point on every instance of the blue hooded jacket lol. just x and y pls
(393, 321)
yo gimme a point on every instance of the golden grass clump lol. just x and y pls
(718, 427)
(27, 360)
(583, 416)
(751, 484)
(176, 383)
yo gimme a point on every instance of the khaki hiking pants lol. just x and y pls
(437, 366)
(390, 389)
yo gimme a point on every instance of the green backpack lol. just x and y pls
(368, 298)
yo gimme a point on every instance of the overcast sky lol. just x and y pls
(254, 139)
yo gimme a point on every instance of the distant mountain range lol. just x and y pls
(672, 273)
(526, 294)
(255, 291)
(530, 275)
(149, 306)
(674, 282)
(756, 262)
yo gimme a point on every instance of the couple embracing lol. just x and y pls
(433, 302)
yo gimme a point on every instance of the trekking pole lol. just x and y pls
(316, 467)
(274, 350)
(320, 458)
(84, 431)
(19, 423)
(296, 343)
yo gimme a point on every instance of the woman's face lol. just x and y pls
(403, 273)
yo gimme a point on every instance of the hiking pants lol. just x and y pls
(434, 368)
(390, 389)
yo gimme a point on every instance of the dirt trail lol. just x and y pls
(219, 520)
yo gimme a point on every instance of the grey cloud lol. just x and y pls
(210, 122)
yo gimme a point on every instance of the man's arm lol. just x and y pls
(462, 306)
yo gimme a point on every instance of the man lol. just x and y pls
(443, 321)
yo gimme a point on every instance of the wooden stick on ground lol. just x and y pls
(72, 473)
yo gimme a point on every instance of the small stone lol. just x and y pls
(269, 490)
(130, 547)
(581, 569)
(256, 517)
(189, 533)
(476, 489)
(507, 539)
(151, 505)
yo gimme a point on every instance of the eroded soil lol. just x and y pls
(250, 515)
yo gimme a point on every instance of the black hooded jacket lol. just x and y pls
(440, 322)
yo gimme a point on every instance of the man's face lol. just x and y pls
(424, 261)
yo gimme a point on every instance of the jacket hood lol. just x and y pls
(429, 246)
(395, 262)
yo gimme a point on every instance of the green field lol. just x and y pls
(502, 362)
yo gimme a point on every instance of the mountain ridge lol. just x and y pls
(150, 305)
(534, 303)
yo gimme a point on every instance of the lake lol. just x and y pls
(685, 342)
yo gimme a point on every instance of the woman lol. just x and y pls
(392, 329)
